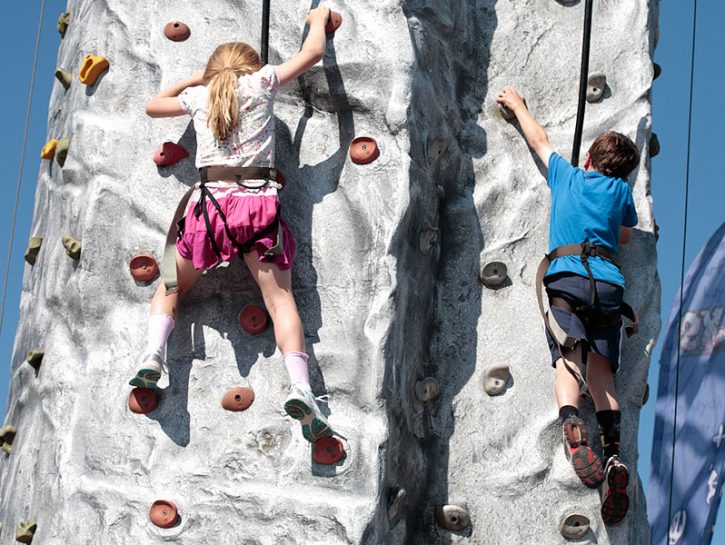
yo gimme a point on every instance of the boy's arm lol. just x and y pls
(166, 103)
(533, 132)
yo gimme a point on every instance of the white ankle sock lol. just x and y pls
(296, 364)
(160, 327)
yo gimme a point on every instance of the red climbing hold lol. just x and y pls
(177, 31)
(238, 399)
(144, 267)
(170, 154)
(253, 319)
(163, 514)
(328, 451)
(333, 22)
(364, 150)
(142, 400)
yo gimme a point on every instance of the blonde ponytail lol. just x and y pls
(228, 62)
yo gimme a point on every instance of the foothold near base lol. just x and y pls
(144, 267)
(169, 154)
(427, 389)
(364, 150)
(33, 249)
(328, 451)
(596, 84)
(654, 145)
(142, 400)
(574, 526)
(493, 274)
(72, 246)
(453, 518)
(64, 77)
(7, 437)
(177, 31)
(253, 319)
(496, 379)
(333, 22)
(48, 151)
(35, 358)
(238, 399)
(91, 69)
(163, 514)
(62, 24)
(25, 530)
(61, 151)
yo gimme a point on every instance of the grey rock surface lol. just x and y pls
(387, 281)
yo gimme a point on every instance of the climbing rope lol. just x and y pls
(264, 47)
(583, 75)
(682, 264)
(22, 161)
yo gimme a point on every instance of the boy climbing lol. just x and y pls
(234, 210)
(592, 212)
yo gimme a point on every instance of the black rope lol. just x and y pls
(264, 47)
(583, 77)
(682, 265)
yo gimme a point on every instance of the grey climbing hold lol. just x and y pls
(453, 518)
(396, 502)
(574, 526)
(25, 530)
(654, 145)
(7, 436)
(427, 389)
(496, 378)
(506, 112)
(657, 70)
(63, 22)
(64, 77)
(596, 84)
(35, 358)
(428, 238)
(493, 274)
(61, 151)
(33, 249)
(72, 246)
(436, 149)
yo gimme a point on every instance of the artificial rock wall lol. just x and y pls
(387, 281)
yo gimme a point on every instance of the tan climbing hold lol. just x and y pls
(33, 249)
(48, 151)
(396, 502)
(427, 240)
(238, 399)
(493, 274)
(496, 378)
(506, 112)
(574, 526)
(427, 389)
(62, 24)
(596, 84)
(163, 513)
(35, 358)
(435, 149)
(64, 77)
(61, 151)
(25, 530)
(7, 437)
(144, 267)
(453, 518)
(91, 68)
(72, 246)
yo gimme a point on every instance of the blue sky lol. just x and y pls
(670, 95)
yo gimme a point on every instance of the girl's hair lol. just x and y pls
(226, 64)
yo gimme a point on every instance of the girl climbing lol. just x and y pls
(234, 209)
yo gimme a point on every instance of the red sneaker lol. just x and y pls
(615, 501)
(586, 463)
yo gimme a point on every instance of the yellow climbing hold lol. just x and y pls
(7, 436)
(48, 151)
(92, 67)
(72, 246)
(25, 530)
(31, 253)
(61, 151)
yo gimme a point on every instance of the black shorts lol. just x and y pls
(603, 340)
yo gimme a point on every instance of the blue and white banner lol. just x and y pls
(696, 483)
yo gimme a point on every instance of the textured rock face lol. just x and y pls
(387, 281)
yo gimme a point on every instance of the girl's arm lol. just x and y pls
(312, 50)
(166, 103)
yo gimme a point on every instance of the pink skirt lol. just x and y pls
(248, 212)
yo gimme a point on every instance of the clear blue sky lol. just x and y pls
(668, 172)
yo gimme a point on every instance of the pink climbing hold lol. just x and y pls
(163, 514)
(333, 22)
(328, 451)
(170, 154)
(253, 319)
(177, 31)
(144, 267)
(142, 401)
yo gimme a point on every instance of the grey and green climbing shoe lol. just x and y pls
(149, 373)
(301, 405)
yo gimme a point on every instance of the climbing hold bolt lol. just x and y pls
(596, 84)
(328, 451)
(142, 400)
(654, 145)
(144, 267)
(35, 358)
(574, 526)
(62, 24)
(453, 518)
(496, 378)
(163, 514)
(48, 151)
(506, 112)
(238, 399)
(169, 154)
(61, 151)
(253, 319)
(177, 31)
(427, 389)
(93, 66)
(25, 530)
(72, 246)
(64, 77)
(427, 240)
(7, 436)
(33, 249)
(493, 274)
(364, 150)
(333, 22)
(657, 70)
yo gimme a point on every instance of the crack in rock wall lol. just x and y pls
(386, 279)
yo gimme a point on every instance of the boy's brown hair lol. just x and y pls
(613, 154)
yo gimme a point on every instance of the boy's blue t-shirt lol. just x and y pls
(589, 206)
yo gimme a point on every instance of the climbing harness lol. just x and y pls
(590, 313)
(583, 82)
(264, 46)
(247, 177)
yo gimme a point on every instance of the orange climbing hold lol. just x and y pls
(144, 267)
(170, 154)
(177, 31)
(163, 514)
(253, 319)
(142, 401)
(48, 151)
(93, 66)
(364, 150)
(238, 399)
(333, 22)
(328, 451)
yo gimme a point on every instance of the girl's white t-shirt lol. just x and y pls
(251, 142)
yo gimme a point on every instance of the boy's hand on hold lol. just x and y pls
(318, 15)
(510, 98)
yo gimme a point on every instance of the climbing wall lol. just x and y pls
(402, 332)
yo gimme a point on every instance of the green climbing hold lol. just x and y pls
(654, 145)
(61, 151)
(33, 249)
(64, 77)
(72, 246)
(63, 22)
(35, 358)
(25, 530)
(7, 436)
